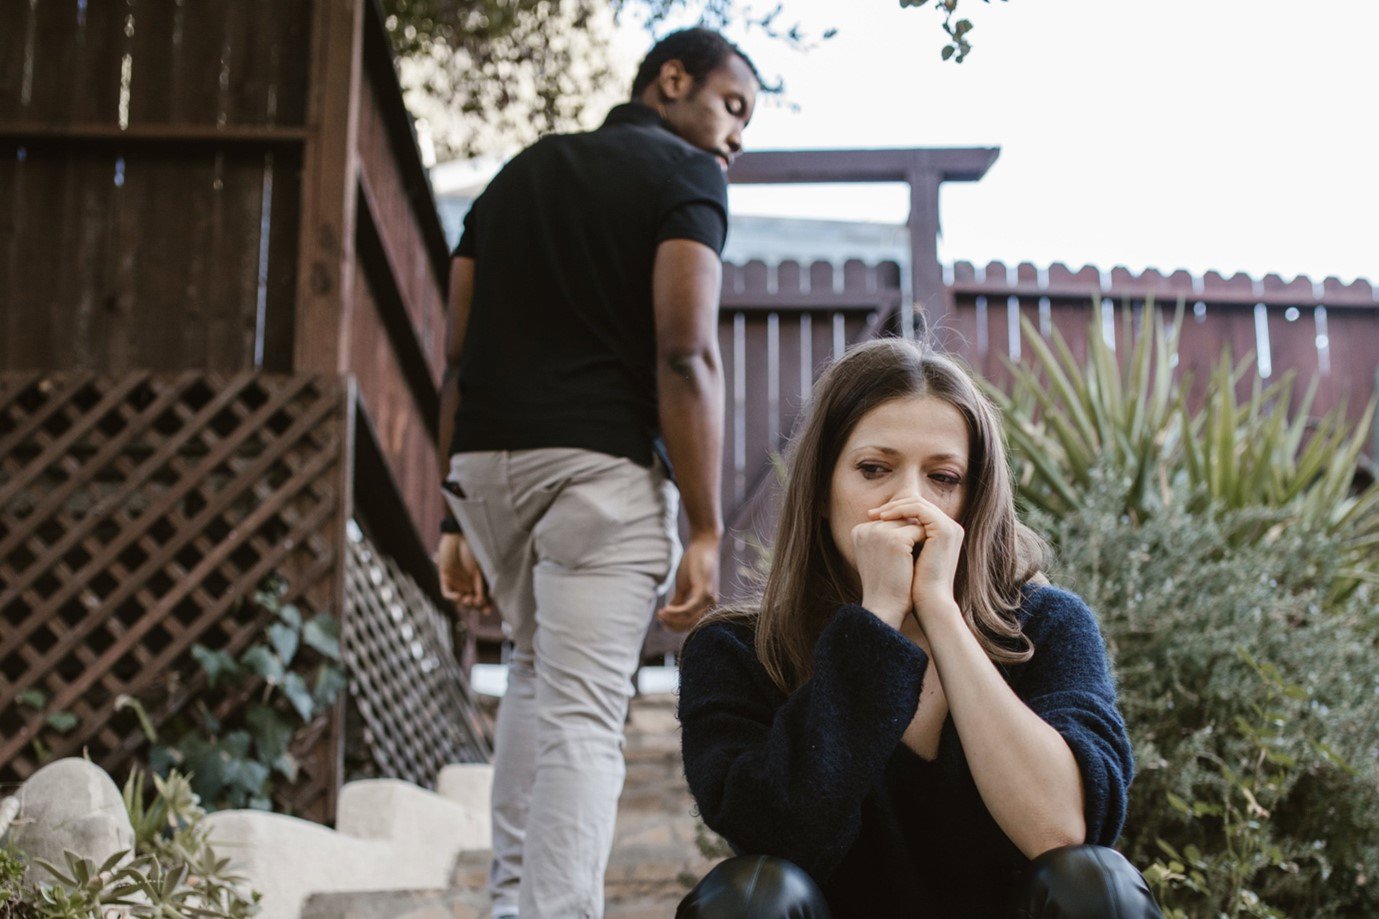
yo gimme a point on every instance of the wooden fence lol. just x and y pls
(221, 187)
(780, 324)
(1322, 329)
(221, 274)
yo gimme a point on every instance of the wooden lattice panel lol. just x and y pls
(404, 679)
(136, 514)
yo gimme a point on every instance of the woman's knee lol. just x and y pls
(1083, 882)
(755, 887)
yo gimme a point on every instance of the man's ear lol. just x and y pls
(674, 82)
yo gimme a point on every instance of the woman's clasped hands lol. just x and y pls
(907, 558)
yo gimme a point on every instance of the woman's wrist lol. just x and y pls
(888, 611)
(934, 612)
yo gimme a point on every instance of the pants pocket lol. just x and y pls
(472, 514)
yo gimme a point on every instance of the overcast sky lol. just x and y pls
(1236, 135)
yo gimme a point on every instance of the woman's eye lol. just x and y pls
(734, 107)
(871, 470)
(947, 480)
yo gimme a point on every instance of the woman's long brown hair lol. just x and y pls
(809, 580)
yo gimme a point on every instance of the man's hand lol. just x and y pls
(461, 579)
(696, 585)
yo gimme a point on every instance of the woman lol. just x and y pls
(912, 722)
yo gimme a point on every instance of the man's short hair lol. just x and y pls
(700, 50)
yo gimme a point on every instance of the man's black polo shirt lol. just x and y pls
(560, 350)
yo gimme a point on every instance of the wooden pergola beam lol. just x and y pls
(923, 169)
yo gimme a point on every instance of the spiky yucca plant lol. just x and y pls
(1067, 422)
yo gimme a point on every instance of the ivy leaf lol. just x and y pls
(33, 698)
(284, 641)
(947, 52)
(62, 722)
(246, 774)
(294, 687)
(215, 664)
(330, 682)
(236, 744)
(292, 616)
(322, 633)
(287, 766)
(264, 662)
(272, 733)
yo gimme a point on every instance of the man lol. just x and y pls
(582, 370)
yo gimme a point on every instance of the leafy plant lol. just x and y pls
(236, 762)
(1248, 688)
(173, 871)
(1068, 420)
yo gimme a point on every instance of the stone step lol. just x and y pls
(660, 848)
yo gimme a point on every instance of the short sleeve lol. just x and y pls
(694, 203)
(466, 246)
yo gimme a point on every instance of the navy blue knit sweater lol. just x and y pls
(821, 777)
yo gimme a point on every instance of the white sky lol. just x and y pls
(1236, 135)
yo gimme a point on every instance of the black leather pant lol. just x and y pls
(1074, 882)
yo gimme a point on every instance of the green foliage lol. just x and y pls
(958, 46)
(58, 721)
(236, 762)
(1067, 421)
(173, 871)
(12, 886)
(1231, 559)
(1248, 689)
(491, 75)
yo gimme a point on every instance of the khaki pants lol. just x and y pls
(575, 546)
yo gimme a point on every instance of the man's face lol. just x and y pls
(713, 113)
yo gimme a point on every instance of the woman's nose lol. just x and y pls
(910, 486)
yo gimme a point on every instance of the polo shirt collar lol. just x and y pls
(635, 113)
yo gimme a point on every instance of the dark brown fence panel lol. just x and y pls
(412, 259)
(151, 259)
(155, 63)
(136, 514)
(405, 436)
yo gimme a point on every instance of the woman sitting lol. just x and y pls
(911, 722)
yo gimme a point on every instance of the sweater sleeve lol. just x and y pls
(1069, 684)
(789, 778)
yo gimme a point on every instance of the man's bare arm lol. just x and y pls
(456, 324)
(689, 376)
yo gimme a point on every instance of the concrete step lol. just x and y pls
(660, 847)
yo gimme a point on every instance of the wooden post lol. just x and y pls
(325, 273)
(922, 168)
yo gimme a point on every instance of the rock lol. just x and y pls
(70, 805)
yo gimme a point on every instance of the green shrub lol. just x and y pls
(172, 872)
(1249, 690)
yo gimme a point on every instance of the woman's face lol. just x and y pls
(911, 445)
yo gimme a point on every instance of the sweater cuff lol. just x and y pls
(872, 662)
